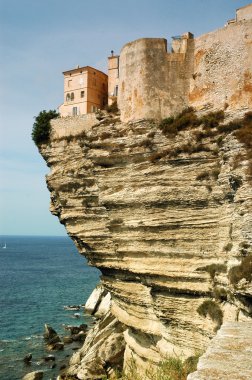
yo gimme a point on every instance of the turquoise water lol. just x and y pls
(38, 277)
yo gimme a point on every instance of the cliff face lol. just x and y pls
(164, 218)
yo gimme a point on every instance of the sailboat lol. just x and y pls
(4, 246)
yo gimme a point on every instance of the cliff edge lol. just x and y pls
(165, 212)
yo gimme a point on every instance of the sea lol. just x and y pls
(39, 276)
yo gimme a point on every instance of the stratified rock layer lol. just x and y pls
(154, 226)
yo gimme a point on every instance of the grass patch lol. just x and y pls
(213, 310)
(172, 368)
(172, 125)
(212, 119)
(243, 270)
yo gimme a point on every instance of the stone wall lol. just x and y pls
(72, 125)
(223, 68)
(153, 83)
(244, 13)
(212, 71)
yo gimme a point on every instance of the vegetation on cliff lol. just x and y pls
(210, 125)
(212, 309)
(241, 271)
(41, 128)
(133, 191)
(173, 368)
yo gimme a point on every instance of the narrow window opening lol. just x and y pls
(75, 111)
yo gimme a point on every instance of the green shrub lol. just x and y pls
(113, 108)
(243, 270)
(230, 127)
(172, 125)
(167, 127)
(213, 310)
(228, 247)
(220, 293)
(41, 128)
(172, 368)
(214, 268)
(212, 119)
(242, 129)
(244, 248)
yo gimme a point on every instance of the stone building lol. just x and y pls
(85, 91)
(113, 77)
(208, 72)
(148, 81)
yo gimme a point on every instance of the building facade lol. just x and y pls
(113, 77)
(85, 91)
(148, 80)
(209, 72)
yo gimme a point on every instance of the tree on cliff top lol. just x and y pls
(41, 127)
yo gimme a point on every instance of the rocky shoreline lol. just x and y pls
(70, 342)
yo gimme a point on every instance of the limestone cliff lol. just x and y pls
(163, 216)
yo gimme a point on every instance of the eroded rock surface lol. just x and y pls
(228, 356)
(163, 222)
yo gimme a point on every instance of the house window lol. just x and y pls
(68, 97)
(82, 93)
(116, 91)
(75, 111)
(72, 96)
(70, 83)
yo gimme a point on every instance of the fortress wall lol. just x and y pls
(244, 13)
(223, 68)
(72, 125)
(152, 82)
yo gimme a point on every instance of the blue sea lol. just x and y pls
(38, 277)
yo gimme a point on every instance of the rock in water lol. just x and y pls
(27, 359)
(49, 358)
(36, 375)
(50, 333)
(52, 338)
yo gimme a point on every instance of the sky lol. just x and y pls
(41, 38)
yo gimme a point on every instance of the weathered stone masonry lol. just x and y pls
(208, 72)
